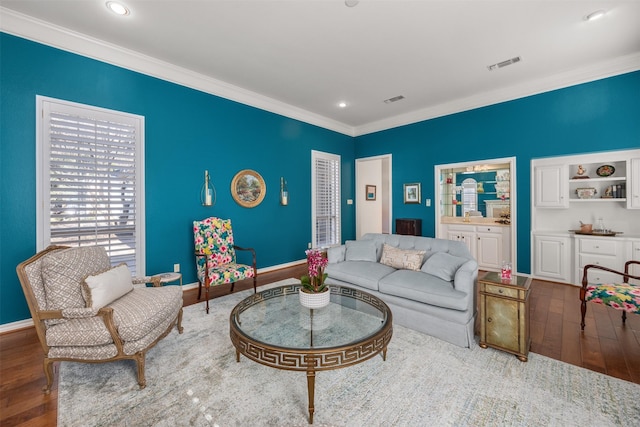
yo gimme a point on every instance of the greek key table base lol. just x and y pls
(264, 328)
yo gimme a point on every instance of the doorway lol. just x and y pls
(373, 195)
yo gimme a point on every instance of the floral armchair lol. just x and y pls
(621, 296)
(214, 246)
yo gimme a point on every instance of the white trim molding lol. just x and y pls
(51, 35)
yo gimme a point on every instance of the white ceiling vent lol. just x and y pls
(394, 99)
(504, 63)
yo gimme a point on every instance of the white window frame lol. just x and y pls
(45, 106)
(332, 199)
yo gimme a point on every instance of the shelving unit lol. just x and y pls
(600, 184)
(491, 184)
(560, 255)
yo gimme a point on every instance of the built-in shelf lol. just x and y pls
(599, 200)
(603, 185)
(611, 178)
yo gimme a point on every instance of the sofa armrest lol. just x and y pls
(336, 254)
(466, 278)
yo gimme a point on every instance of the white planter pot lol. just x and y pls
(315, 300)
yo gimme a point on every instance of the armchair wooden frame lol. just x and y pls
(207, 280)
(106, 313)
(585, 283)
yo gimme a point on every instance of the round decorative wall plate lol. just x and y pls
(605, 170)
(248, 188)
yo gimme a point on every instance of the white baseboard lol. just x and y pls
(21, 324)
(15, 326)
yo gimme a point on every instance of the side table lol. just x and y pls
(504, 314)
(165, 278)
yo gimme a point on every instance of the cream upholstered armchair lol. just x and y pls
(86, 311)
(215, 248)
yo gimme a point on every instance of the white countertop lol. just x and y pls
(567, 233)
(473, 220)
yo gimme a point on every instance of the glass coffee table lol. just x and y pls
(272, 328)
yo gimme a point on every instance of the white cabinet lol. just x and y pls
(550, 186)
(463, 234)
(490, 250)
(568, 190)
(633, 187)
(488, 244)
(552, 257)
(604, 251)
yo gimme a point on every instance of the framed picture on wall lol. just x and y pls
(370, 192)
(412, 193)
(248, 188)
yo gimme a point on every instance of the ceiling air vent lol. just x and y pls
(394, 99)
(504, 63)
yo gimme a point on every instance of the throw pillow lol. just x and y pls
(443, 265)
(64, 271)
(335, 254)
(360, 250)
(407, 259)
(104, 288)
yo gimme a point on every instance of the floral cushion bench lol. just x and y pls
(621, 296)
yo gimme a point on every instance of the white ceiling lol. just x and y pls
(300, 58)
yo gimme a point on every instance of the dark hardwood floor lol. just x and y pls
(605, 346)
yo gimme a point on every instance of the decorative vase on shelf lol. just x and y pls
(314, 293)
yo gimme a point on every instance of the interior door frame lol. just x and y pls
(385, 192)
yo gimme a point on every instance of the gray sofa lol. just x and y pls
(429, 284)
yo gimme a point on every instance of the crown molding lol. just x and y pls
(51, 35)
(597, 71)
(27, 27)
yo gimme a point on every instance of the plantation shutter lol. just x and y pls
(92, 182)
(326, 199)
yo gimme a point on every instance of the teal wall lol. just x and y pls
(187, 131)
(599, 116)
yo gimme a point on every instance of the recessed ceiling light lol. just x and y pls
(342, 104)
(351, 3)
(117, 8)
(594, 15)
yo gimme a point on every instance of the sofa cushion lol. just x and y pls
(424, 288)
(362, 273)
(443, 265)
(408, 259)
(64, 271)
(140, 311)
(104, 288)
(336, 253)
(88, 331)
(360, 250)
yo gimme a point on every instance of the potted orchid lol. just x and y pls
(314, 293)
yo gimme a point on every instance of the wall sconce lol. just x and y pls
(207, 192)
(284, 193)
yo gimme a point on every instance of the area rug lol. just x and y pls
(193, 379)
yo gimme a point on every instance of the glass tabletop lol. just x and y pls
(275, 317)
(515, 281)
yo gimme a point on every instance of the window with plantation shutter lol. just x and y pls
(325, 199)
(90, 181)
